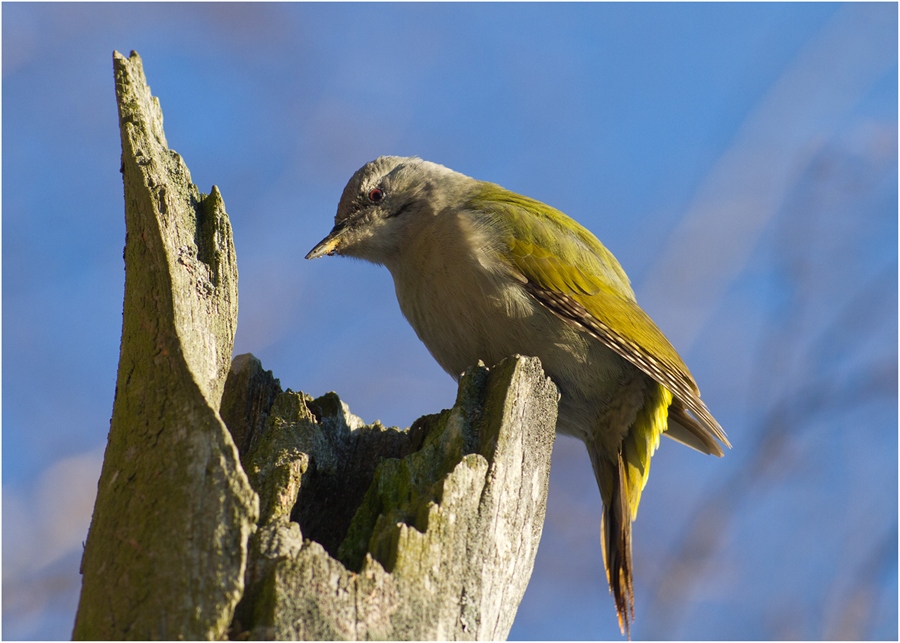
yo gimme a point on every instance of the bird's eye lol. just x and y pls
(376, 195)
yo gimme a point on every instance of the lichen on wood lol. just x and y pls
(166, 552)
(442, 544)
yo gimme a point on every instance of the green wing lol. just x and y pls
(545, 249)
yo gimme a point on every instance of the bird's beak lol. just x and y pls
(329, 244)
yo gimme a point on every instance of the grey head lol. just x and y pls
(385, 201)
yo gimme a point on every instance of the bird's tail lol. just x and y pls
(621, 478)
(615, 530)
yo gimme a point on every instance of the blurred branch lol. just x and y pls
(767, 460)
(849, 616)
(802, 380)
(743, 191)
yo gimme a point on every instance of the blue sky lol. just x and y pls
(739, 159)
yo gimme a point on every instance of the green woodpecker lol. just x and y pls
(483, 273)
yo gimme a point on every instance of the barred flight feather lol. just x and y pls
(674, 379)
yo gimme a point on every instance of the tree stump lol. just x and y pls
(228, 508)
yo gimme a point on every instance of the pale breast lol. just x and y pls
(465, 307)
(456, 304)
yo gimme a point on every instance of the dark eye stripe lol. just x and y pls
(401, 210)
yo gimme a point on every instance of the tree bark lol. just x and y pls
(166, 552)
(337, 529)
(442, 543)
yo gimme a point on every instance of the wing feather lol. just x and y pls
(544, 249)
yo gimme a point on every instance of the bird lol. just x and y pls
(484, 273)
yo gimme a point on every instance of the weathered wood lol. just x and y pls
(249, 393)
(443, 542)
(166, 553)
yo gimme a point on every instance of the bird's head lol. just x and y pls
(385, 202)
